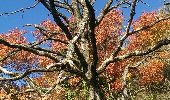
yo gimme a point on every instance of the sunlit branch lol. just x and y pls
(69, 66)
(33, 85)
(92, 2)
(51, 7)
(43, 29)
(124, 83)
(149, 26)
(142, 53)
(76, 11)
(67, 3)
(64, 65)
(9, 54)
(104, 11)
(64, 5)
(132, 13)
(60, 78)
(27, 72)
(21, 10)
(25, 91)
(132, 54)
(29, 49)
(3, 70)
(108, 8)
(37, 89)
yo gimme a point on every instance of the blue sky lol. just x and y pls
(32, 16)
(39, 13)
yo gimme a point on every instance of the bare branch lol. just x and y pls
(108, 8)
(42, 29)
(132, 54)
(29, 49)
(104, 11)
(25, 91)
(33, 85)
(27, 72)
(92, 2)
(149, 26)
(21, 10)
(76, 10)
(63, 5)
(142, 53)
(59, 79)
(132, 13)
(3, 70)
(51, 7)
(12, 53)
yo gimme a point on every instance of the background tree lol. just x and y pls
(84, 56)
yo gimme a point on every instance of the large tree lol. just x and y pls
(80, 55)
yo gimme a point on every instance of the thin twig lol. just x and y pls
(20, 10)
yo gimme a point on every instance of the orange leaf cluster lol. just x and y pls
(150, 36)
(116, 69)
(50, 28)
(44, 61)
(107, 33)
(74, 81)
(151, 73)
(16, 37)
(54, 31)
(110, 25)
(116, 85)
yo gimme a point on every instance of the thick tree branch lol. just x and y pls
(91, 32)
(132, 54)
(27, 72)
(64, 65)
(29, 49)
(51, 7)
(77, 14)
(32, 45)
(142, 53)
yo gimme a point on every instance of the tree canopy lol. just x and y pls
(82, 55)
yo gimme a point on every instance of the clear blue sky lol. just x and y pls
(39, 13)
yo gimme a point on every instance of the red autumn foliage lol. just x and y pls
(151, 73)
